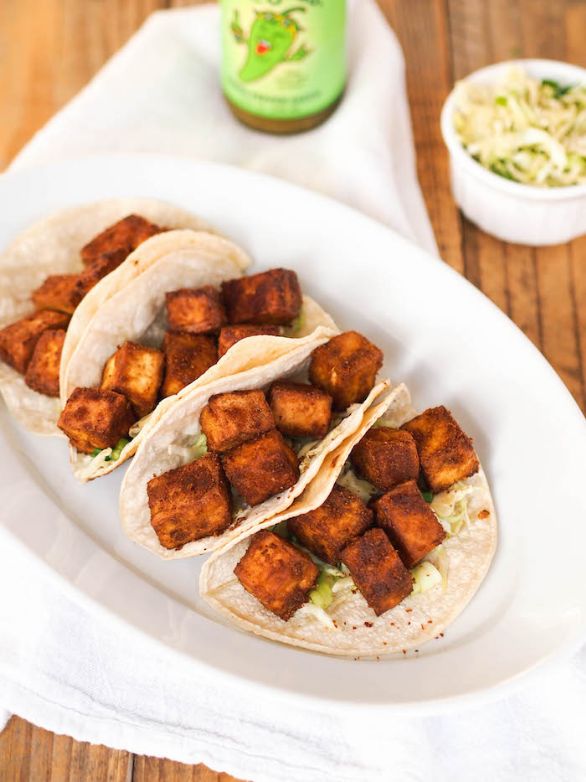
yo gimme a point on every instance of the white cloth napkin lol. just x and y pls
(68, 669)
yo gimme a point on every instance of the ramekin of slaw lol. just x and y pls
(516, 134)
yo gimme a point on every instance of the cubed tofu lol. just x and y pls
(377, 570)
(386, 457)
(101, 267)
(329, 528)
(42, 373)
(268, 297)
(409, 522)
(136, 372)
(276, 573)
(300, 410)
(445, 452)
(230, 335)
(121, 238)
(93, 418)
(346, 368)
(61, 292)
(19, 339)
(190, 502)
(230, 419)
(197, 310)
(187, 357)
(261, 468)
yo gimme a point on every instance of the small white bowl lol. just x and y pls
(510, 210)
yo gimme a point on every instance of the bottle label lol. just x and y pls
(283, 59)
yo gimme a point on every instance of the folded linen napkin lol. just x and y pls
(69, 669)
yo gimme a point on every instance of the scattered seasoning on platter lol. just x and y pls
(408, 610)
(368, 624)
(483, 514)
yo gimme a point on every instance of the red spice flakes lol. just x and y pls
(404, 651)
(484, 514)
(368, 624)
(384, 643)
(408, 610)
(336, 624)
(354, 627)
(416, 651)
(377, 657)
(423, 627)
(441, 635)
(430, 621)
(354, 591)
(392, 624)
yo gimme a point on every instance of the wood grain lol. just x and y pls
(50, 49)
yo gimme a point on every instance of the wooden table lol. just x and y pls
(49, 50)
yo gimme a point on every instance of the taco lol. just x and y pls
(46, 273)
(382, 551)
(227, 456)
(181, 317)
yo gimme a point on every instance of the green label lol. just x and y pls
(283, 59)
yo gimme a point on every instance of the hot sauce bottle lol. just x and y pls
(283, 61)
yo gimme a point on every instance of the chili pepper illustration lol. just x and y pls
(269, 42)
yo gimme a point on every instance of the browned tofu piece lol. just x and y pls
(42, 374)
(233, 418)
(195, 310)
(409, 522)
(190, 502)
(61, 292)
(121, 238)
(377, 571)
(386, 457)
(260, 468)
(346, 367)
(268, 297)
(18, 340)
(136, 372)
(300, 410)
(445, 452)
(230, 335)
(279, 575)
(329, 528)
(93, 418)
(99, 268)
(187, 357)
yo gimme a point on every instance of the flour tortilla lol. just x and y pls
(52, 246)
(170, 440)
(359, 632)
(133, 308)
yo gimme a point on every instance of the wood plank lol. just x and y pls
(31, 754)
(147, 769)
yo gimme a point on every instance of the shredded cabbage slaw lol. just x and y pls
(524, 129)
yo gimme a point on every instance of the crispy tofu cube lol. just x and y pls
(187, 357)
(42, 373)
(121, 238)
(137, 373)
(268, 297)
(230, 335)
(197, 311)
(386, 457)
(279, 575)
(346, 367)
(329, 528)
(99, 268)
(260, 468)
(93, 418)
(300, 410)
(445, 452)
(409, 522)
(61, 292)
(190, 502)
(377, 571)
(18, 340)
(230, 419)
